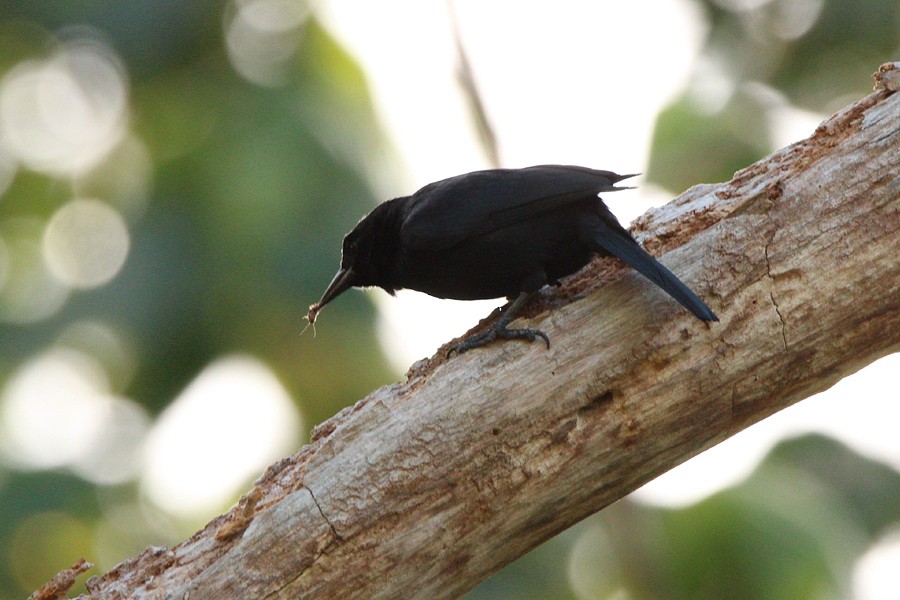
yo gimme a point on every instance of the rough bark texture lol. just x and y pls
(425, 488)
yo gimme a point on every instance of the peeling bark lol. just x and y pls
(423, 489)
(62, 582)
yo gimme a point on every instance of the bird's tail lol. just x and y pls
(625, 248)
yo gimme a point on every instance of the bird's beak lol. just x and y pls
(343, 280)
(623, 178)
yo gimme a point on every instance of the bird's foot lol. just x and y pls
(495, 333)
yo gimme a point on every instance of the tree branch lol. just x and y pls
(466, 78)
(424, 488)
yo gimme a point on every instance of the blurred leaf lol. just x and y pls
(816, 52)
(868, 489)
(691, 147)
(838, 55)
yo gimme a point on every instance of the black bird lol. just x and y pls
(493, 233)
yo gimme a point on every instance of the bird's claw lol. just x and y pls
(492, 334)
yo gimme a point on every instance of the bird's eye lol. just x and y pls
(349, 251)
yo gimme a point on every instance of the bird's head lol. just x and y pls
(366, 255)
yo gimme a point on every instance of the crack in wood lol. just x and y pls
(337, 536)
(772, 297)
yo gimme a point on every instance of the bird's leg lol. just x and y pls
(499, 330)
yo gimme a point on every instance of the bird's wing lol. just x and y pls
(447, 212)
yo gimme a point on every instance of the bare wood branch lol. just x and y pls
(62, 582)
(423, 489)
(466, 77)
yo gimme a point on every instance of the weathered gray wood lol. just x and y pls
(423, 489)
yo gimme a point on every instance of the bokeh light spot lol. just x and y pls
(796, 17)
(63, 114)
(86, 243)
(262, 36)
(592, 568)
(225, 427)
(114, 454)
(52, 409)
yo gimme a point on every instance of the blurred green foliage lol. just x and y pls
(238, 229)
(235, 228)
(792, 530)
(762, 57)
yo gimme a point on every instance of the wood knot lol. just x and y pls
(774, 190)
(596, 403)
